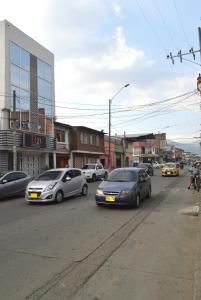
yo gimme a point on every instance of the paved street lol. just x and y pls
(77, 250)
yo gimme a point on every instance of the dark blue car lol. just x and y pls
(124, 186)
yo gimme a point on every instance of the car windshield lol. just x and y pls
(170, 165)
(122, 176)
(49, 175)
(88, 167)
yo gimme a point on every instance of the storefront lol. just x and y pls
(34, 152)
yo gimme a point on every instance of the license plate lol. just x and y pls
(168, 173)
(33, 195)
(110, 198)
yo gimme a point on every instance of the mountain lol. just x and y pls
(193, 147)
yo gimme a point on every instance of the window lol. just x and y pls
(60, 135)
(10, 177)
(25, 60)
(44, 70)
(24, 79)
(19, 175)
(15, 75)
(76, 173)
(15, 54)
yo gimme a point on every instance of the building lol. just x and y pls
(87, 146)
(145, 147)
(26, 121)
(63, 139)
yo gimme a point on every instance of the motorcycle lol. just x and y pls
(197, 182)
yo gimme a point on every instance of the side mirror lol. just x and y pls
(68, 178)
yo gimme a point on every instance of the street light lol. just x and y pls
(110, 102)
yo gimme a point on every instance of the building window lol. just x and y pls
(60, 135)
(15, 54)
(42, 115)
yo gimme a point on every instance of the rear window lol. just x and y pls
(49, 175)
(88, 167)
(122, 176)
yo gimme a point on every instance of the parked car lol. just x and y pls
(156, 165)
(94, 171)
(56, 184)
(13, 183)
(170, 169)
(147, 167)
(124, 186)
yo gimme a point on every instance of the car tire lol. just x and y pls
(59, 197)
(137, 201)
(94, 177)
(84, 190)
(98, 204)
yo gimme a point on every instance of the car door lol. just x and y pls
(68, 186)
(142, 183)
(21, 182)
(7, 185)
(78, 180)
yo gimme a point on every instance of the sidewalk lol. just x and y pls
(161, 260)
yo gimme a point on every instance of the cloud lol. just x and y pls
(117, 9)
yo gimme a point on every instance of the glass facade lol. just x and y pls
(41, 111)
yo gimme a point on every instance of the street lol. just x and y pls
(76, 250)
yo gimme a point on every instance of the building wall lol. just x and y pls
(78, 145)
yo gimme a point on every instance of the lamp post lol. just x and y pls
(110, 102)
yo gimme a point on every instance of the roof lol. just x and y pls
(136, 136)
(88, 128)
(62, 125)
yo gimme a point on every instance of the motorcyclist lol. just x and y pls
(193, 172)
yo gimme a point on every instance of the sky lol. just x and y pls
(100, 46)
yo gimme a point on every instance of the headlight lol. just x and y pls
(125, 193)
(99, 192)
(50, 187)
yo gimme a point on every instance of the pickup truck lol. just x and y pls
(94, 171)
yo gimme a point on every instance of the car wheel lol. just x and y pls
(94, 177)
(137, 201)
(149, 193)
(84, 190)
(98, 204)
(59, 197)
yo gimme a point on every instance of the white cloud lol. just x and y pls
(117, 9)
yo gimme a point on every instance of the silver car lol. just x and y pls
(13, 183)
(56, 184)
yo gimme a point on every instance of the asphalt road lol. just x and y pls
(41, 243)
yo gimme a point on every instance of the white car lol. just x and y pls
(156, 165)
(94, 171)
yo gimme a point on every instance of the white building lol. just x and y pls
(27, 68)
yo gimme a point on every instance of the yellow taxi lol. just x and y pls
(170, 169)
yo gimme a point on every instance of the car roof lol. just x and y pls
(129, 169)
(62, 169)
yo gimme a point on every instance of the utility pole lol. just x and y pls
(110, 102)
(199, 35)
(14, 133)
(109, 156)
(124, 150)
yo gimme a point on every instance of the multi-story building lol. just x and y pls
(87, 146)
(26, 121)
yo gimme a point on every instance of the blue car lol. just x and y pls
(124, 186)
